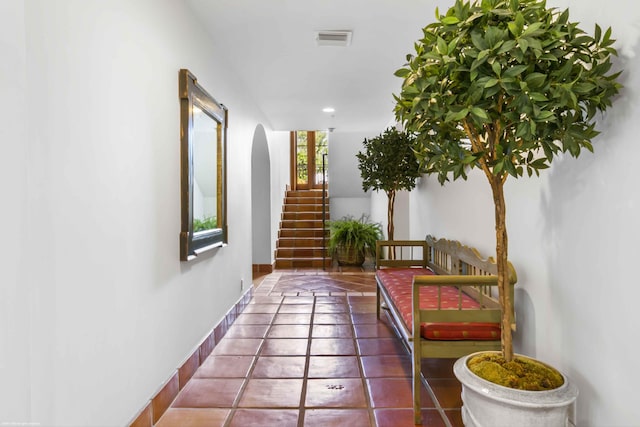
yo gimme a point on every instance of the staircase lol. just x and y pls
(300, 237)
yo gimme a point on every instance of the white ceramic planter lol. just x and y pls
(485, 404)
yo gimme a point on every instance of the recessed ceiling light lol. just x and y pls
(329, 110)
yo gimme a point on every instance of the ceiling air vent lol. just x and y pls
(333, 38)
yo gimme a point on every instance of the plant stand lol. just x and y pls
(485, 404)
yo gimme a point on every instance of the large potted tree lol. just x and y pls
(504, 86)
(389, 164)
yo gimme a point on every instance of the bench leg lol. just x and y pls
(378, 301)
(417, 384)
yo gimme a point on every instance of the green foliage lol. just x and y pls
(504, 85)
(301, 157)
(205, 224)
(388, 162)
(360, 234)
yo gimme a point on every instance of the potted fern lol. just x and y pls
(350, 239)
(504, 86)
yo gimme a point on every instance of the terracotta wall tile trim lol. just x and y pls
(262, 268)
(168, 390)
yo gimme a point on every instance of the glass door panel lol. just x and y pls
(302, 159)
(321, 148)
(309, 147)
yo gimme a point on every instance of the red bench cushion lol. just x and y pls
(398, 283)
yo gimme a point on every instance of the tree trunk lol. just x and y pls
(391, 200)
(497, 187)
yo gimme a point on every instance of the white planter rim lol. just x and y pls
(564, 395)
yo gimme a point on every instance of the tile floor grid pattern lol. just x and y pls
(244, 382)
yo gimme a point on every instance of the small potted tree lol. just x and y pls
(504, 86)
(350, 239)
(389, 164)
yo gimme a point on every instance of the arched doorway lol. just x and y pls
(261, 202)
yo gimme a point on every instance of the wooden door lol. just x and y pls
(308, 149)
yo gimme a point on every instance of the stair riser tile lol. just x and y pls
(304, 201)
(302, 263)
(300, 253)
(305, 208)
(303, 216)
(305, 193)
(301, 224)
(307, 242)
(301, 233)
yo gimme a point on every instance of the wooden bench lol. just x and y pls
(441, 295)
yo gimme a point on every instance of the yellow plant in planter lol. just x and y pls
(522, 374)
(504, 86)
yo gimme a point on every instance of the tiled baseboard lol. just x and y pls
(262, 268)
(161, 400)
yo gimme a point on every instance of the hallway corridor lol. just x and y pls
(309, 351)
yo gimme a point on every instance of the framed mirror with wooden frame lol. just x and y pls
(203, 149)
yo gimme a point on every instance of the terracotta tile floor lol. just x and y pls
(309, 351)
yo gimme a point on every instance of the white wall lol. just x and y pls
(345, 183)
(15, 325)
(260, 198)
(573, 238)
(401, 213)
(96, 309)
(347, 196)
(279, 146)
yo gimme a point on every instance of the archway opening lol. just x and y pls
(262, 261)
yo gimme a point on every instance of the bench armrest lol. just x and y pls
(478, 287)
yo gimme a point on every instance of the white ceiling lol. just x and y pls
(270, 44)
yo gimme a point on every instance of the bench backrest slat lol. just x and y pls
(445, 258)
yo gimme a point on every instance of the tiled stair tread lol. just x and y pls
(301, 223)
(292, 216)
(306, 193)
(292, 242)
(309, 230)
(302, 232)
(308, 207)
(300, 252)
(302, 229)
(301, 247)
(302, 262)
(306, 210)
(304, 201)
